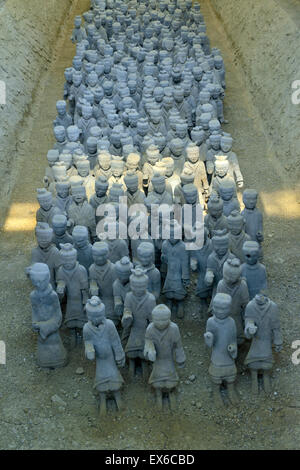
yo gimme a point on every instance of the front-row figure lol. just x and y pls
(163, 347)
(221, 337)
(138, 307)
(102, 343)
(72, 282)
(262, 325)
(46, 318)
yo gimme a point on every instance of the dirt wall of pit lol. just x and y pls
(28, 33)
(265, 37)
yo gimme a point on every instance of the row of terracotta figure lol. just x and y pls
(142, 119)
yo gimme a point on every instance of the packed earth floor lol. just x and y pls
(29, 417)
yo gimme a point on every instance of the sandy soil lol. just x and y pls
(28, 416)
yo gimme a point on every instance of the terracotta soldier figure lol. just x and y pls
(253, 271)
(102, 274)
(163, 347)
(227, 192)
(253, 216)
(80, 212)
(237, 236)
(221, 173)
(216, 260)
(63, 117)
(201, 256)
(220, 336)
(46, 319)
(63, 198)
(46, 252)
(145, 253)
(160, 192)
(215, 220)
(133, 193)
(100, 197)
(233, 285)
(138, 307)
(81, 243)
(104, 165)
(262, 325)
(102, 343)
(197, 166)
(72, 281)
(175, 256)
(47, 209)
(60, 233)
(121, 285)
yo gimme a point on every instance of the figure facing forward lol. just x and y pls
(46, 318)
(221, 337)
(163, 347)
(102, 343)
(262, 325)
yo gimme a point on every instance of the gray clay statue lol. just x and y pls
(177, 153)
(72, 282)
(221, 173)
(146, 255)
(60, 230)
(234, 167)
(220, 337)
(52, 158)
(81, 243)
(253, 271)
(233, 285)
(102, 343)
(63, 199)
(100, 196)
(215, 219)
(133, 165)
(186, 177)
(63, 117)
(80, 212)
(262, 326)
(216, 260)
(46, 252)
(175, 256)
(237, 235)
(104, 165)
(117, 168)
(102, 274)
(47, 209)
(138, 307)
(198, 168)
(227, 192)
(152, 155)
(203, 291)
(160, 192)
(121, 285)
(46, 319)
(134, 194)
(163, 347)
(253, 216)
(172, 180)
(83, 168)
